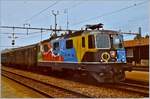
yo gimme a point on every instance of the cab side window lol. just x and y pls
(69, 44)
(56, 45)
(91, 41)
(83, 42)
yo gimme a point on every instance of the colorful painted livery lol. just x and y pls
(101, 46)
(99, 53)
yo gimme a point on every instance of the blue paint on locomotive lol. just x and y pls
(121, 56)
(68, 54)
(62, 46)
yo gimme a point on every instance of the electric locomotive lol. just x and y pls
(98, 52)
(94, 50)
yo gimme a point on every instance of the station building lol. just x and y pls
(137, 51)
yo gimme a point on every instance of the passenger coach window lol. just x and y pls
(45, 48)
(56, 45)
(91, 41)
(69, 44)
(83, 41)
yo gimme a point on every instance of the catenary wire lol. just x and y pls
(35, 15)
(110, 13)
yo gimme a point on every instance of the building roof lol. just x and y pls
(137, 42)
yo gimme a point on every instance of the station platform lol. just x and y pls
(12, 89)
(138, 76)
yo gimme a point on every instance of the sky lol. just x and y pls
(124, 15)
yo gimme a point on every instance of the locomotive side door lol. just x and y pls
(82, 47)
(67, 50)
(70, 51)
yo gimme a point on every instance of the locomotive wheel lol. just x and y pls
(102, 78)
(97, 77)
(119, 77)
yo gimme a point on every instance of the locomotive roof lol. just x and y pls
(80, 32)
(77, 33)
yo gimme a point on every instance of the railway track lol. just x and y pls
(140, 88)
(137, 88)
(43, 88)
(57, 87)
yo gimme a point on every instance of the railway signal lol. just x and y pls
(13, 42)
(13, 37)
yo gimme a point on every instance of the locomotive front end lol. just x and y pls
(110, 54)
(110, 48)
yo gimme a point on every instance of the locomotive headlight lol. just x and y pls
(123, 60)
(113, 54)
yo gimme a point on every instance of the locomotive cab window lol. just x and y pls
(69, 44)
(83, 42)
(102, 41)
(117, 41)
(56, 45)
(91, 41)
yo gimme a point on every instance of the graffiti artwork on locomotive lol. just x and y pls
(98, 52)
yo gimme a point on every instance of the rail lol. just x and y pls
(140, 88)
(48, 90)
(49, 85)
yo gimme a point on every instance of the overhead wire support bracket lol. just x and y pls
(47, 29)
(27, 28)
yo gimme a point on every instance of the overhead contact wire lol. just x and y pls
(110, 13)
(41, 11)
